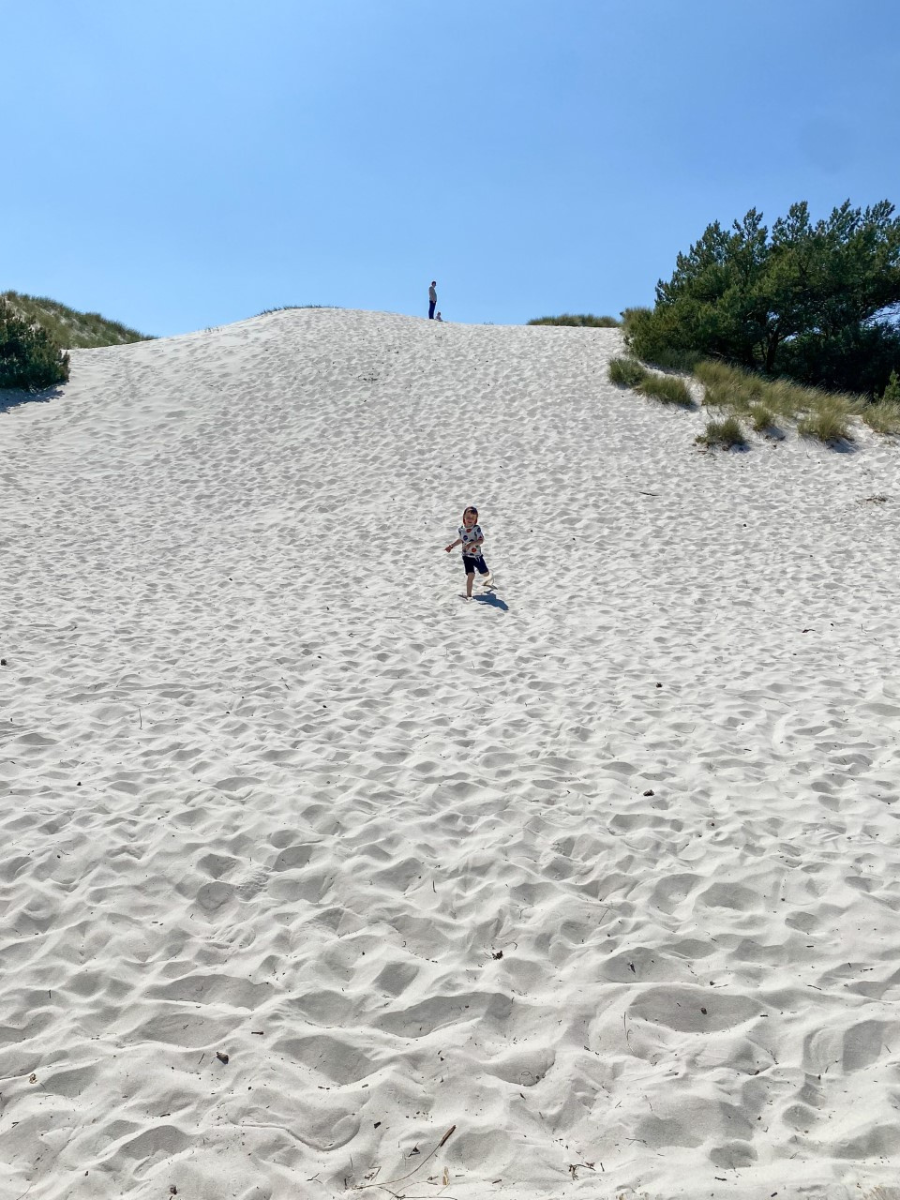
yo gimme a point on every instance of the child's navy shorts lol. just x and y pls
(473, 564)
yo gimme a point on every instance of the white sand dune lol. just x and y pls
(603, 870)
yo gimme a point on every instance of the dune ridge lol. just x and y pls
(601, 870)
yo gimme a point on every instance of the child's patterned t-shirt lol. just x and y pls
(467, 536)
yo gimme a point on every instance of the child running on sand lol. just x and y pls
(471, 539)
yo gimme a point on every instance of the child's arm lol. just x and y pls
(458, 542)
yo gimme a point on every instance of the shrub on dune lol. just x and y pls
(632, 317)
(29, 357)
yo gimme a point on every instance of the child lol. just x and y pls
(471, 539)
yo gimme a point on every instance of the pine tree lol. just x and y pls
(810, 300)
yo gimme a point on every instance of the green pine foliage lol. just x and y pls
(67, 327)
(812, 301)
(892, 391)
(583, 320)
(29, 357)
(667, 358)
(632, 317)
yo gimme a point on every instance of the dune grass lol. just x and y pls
(763, 402)
(580, 320)
(682, 361)
(667, 389)
(762, 418)
(883, 417)
(626, 372)
(828, 424)
(287, 307)
(726, 433)
(750, 401)
(68, 327)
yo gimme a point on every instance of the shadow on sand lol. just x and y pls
(13, 397)
(492, 600)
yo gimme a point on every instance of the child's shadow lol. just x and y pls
(492, 600)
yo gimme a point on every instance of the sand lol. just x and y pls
(600, 869)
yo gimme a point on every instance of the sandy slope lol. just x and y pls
(603, 871)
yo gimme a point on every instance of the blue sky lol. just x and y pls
(186, 163)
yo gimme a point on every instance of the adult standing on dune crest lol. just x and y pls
(432, 299)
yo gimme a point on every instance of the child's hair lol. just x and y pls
(470, 509)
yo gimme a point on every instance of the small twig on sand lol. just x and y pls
(415, 1170)
(419, 1196)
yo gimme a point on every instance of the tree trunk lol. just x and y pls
(771, 350)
